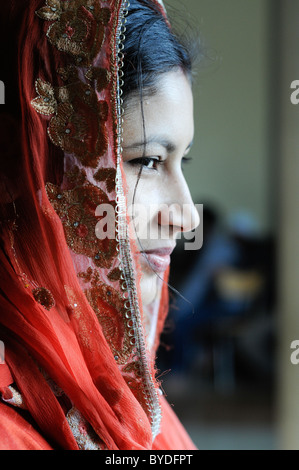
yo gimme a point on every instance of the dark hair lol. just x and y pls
(151, 48)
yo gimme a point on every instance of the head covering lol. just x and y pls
(71, 317)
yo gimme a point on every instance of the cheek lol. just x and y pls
(146, 198)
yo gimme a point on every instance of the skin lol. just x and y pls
(169, 130)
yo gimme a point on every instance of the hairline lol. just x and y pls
(139, 94)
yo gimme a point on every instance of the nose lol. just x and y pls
(178, 212)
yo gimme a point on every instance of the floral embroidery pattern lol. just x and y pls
(117, 326)
(78, 118)
(76, 209)
(114, 275)
(78, 124)
(108, 306)
(78, 28)
(108, 175)
(46, 102)
(101, 76)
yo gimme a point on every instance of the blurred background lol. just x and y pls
(225, 359)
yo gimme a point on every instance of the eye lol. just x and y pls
(150, 163)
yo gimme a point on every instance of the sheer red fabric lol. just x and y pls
(78, 373)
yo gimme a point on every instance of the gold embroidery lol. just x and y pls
(44, 297)
(100, 75)
(114, 275)
(76, 209)
(45, 103)
(108, 175)
(108, 306)
(84, 434)
(78, 28)
(51, 11)
(13, 397)
(78, 125)
(74, 309)
(76, 176)
(40, 294)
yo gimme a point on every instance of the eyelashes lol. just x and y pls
(187, 159)
(153, 163)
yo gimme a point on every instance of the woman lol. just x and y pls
(106, 119)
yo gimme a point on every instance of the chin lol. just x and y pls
(148, 286)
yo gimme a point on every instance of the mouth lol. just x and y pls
(158, 258)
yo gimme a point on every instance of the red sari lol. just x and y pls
(79, 372)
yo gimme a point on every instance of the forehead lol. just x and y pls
(168, 113)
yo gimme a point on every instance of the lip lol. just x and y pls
(158, 258)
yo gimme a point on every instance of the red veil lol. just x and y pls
(78, 373)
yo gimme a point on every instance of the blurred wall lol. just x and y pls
(288, 309)
(231, 149)
(246, 150)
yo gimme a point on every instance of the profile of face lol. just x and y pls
(157, 136)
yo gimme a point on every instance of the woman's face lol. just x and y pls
(158, 137)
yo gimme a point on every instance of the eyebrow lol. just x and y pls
(164, 142)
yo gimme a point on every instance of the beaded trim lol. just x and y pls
(123, 247)
(62, 102)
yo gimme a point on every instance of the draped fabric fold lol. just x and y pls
(71, 314)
